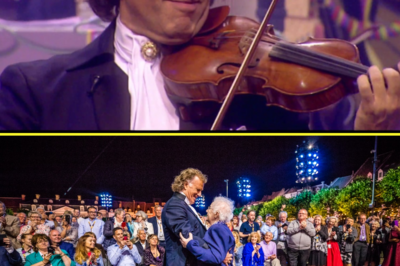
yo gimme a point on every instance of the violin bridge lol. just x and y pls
(245, 42)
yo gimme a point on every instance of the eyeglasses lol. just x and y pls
(35, 217)
(93, 212)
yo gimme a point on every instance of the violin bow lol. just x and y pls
(239, 76)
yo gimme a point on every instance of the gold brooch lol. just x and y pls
(149, 51)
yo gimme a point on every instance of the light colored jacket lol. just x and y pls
(11, 230)
(300, 239)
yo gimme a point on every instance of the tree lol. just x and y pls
(389, 188)
(322, 200)
(355, 198)
(301, 201)
(273, 207)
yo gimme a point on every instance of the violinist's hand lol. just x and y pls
(380, 106)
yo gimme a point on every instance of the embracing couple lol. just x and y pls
(188, 242)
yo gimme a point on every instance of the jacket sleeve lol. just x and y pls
(310, 230)
(71, 252)
(259, 260)
(108, 230)
(135, 254)
(13, 228)
(18, 109)
(114, 254)
(14, 257)
(218, 243)
(323, 233)
(177, 219)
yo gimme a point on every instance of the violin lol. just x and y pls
(300, 77)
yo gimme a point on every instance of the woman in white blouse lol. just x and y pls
(142, 223)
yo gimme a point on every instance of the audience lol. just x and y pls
(26, 249)
(157, 225)
(236, 223)
(142, 243)
(55, 241)
(92, 224)
(373, 254)
(43, 255)
(130, 224)
(268, 227)
(249, 227)
(333, 257)
(253, 254)
(124, 252)
(154, 255)
(347, 234)
(22, 219)
(269, 250)
(34, 227)
(9, 226)
(86, 251)
(99, 247)
(319, 248)
(142, 223)
(8, 254)
(383, 243)
(69, 233)
(115, 222)
(51, 220)
(360, 246)
(299, 233)
(79, 219)
(44, 218)
(238, 251)
(281, 242)
(393, 258)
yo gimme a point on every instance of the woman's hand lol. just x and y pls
(185, 241)
(380, 106)
(57, 250)
(46, 258)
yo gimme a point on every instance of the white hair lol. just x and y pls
(142, 214)
(283, 212)
(34, 212)
(224, 207)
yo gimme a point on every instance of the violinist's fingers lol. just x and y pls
(365, 90)
(392, 78)
(377, 82)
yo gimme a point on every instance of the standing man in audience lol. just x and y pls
(248, 227)
(282, 244)
(112, 223)
(157, 225)
(124, 252)
(299, 233)
(142, 244)
(92, 224)
(360, 246)
(22, 219)
(55, 241)
(77, 215)
(269, 227)
(9, 225)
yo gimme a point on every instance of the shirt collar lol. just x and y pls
(186, 199)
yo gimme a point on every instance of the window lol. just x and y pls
(369, 175)
(380, 174)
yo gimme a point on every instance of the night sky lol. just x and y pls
(144, 167)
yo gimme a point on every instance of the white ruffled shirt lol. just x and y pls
(151, 109)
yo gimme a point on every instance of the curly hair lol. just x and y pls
(81, 254)
(37, 238)
(107, 10)
(224, 207)
(187, 175)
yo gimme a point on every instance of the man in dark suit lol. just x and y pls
(8, 254)
(156, 221)
(55, 240)
(179, 216)
(87, 90)
(142, 243)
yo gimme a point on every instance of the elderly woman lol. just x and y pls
(218, 237)
(142, 223)
(373, 254)
(319, 248)
(253, 254)
(42, 256)
(269, 249)
(333, 257)
(348, 234)
(35, 227)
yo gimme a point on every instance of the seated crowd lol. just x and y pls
(41, 239)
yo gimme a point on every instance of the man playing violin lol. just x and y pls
(115, 82)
